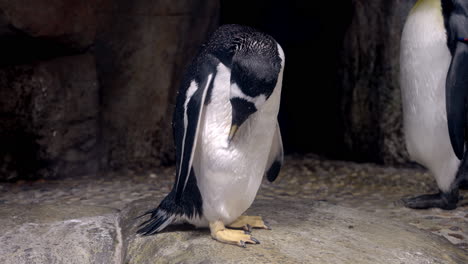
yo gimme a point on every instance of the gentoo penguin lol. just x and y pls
(226, 135)
(434, 83)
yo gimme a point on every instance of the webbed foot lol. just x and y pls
(236, 237)
(446, 201)
(248, 222)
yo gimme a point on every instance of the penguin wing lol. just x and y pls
(187, 119)
(457, 87)
(276, 156)
(456, 97)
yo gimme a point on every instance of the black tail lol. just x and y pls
(171, 210)
(159, 220)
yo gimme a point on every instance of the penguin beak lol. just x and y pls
(456, 95)
(232, 132)
(241, 110)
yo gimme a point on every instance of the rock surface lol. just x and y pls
(317, 209)
(59, 234)
(303, 232)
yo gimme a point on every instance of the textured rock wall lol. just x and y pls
(89, 85)
(49, 94)
(72, 22)
(369, 74)
(142, 49)
(49, 123)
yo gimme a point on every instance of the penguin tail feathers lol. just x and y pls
(158, 220)
(173, 210)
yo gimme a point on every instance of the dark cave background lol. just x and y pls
(311, 36)
(89, 86)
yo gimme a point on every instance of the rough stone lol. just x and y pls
(369, 76)
(59, 234)
(362, 208)
(72, 22)
(49, 118)
(303, 232)
(142, 49)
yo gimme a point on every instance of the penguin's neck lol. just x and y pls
(427, 21)
(428, 3)
(430, 6)
(440, 11)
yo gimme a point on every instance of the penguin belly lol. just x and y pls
(425, 60)
(229, 175)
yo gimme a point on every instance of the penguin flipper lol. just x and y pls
(187, 124)
(457, 91)
(276, 156)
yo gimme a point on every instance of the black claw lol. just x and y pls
(247, 232)
(255, 240)
(248, 227)
(267, 225)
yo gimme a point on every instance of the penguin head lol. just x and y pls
(253, 80)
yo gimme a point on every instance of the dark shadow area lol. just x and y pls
(15, 162)
(311, 34)
(17, 47)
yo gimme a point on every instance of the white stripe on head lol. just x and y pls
(281, 54)
(258, 101)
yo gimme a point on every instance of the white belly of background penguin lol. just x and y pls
(427, 78)
(226, 135)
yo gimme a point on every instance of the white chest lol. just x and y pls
(425, 60)
(424, 63)
(229, 175)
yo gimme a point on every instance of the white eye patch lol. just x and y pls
(258, 101)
